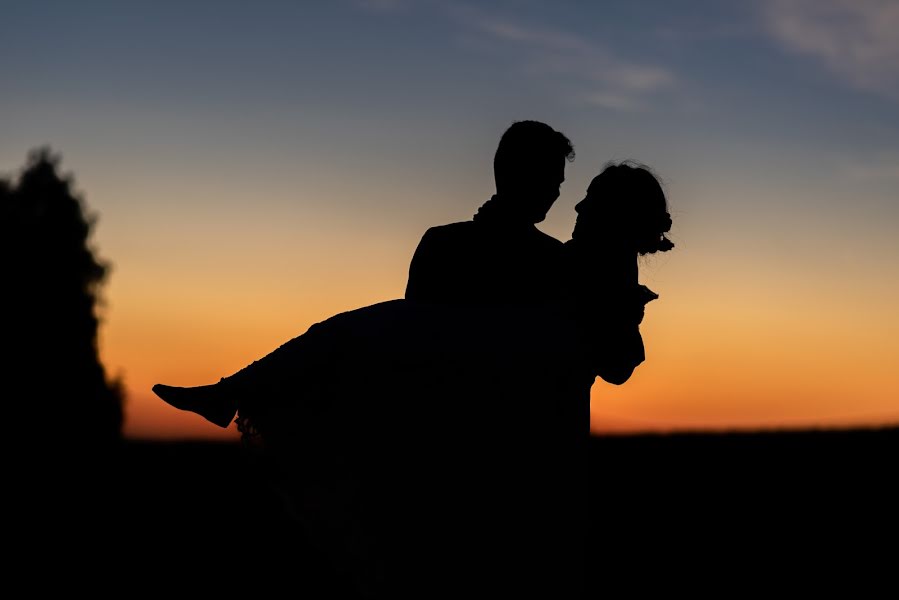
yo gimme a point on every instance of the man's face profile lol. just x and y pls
(543, 186)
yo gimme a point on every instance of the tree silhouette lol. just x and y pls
(56, 389)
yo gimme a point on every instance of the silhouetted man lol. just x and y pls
(500, 257)
(510, 406)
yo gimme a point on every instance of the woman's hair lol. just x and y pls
(626, 202)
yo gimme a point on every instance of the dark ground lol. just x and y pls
(199, 516)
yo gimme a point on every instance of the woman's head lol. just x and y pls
(625, 204)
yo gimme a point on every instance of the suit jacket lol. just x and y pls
(475, 263)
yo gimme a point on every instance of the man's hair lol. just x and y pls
(526, 144)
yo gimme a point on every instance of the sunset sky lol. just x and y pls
(256, 167)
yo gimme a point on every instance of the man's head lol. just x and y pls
(529, 166)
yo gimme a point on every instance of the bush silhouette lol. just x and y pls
(56, 390)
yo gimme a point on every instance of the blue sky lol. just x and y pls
(812, 82)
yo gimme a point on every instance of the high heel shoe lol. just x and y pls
(209, 401)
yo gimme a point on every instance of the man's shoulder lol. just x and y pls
(449, 231)
(451, 228)
(471, 232)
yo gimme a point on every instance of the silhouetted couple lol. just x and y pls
(435, 445)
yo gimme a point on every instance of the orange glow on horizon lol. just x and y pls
(722, 356)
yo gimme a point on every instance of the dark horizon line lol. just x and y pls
(884, 429)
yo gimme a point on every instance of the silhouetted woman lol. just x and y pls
(406, 431)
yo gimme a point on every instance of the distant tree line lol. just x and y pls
(57, 395)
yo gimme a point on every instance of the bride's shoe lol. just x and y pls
(209, 401)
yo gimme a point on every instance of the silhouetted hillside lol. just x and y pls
(201, 516)
(717, 497)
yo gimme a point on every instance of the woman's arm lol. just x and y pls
(617, 355)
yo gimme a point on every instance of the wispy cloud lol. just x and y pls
(602, 78)
(596, 76)
(540, 37)
(857, 39)
(612, 101)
